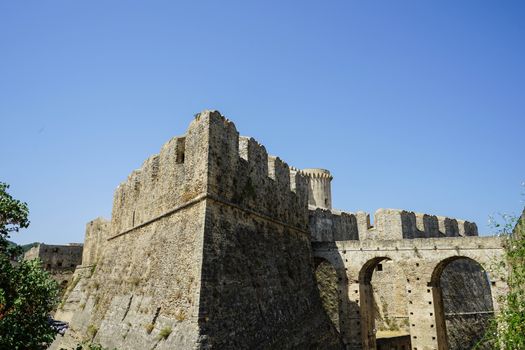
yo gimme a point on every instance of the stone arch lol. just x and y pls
(368, 308)
(461, 288)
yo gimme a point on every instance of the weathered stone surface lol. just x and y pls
(209, 246)
(56, 257)
(213, 243)
(467, 304)
(319, 187)
(331, 225)
(326, 277)
(421, 262)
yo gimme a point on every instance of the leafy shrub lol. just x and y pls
(92, 331)
(27, 292)
(165, 332)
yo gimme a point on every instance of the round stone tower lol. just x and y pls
(319, 187)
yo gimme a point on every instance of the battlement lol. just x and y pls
(213, 161)
(319, 187)
(212, 237)
(153, 188)
(56, 257)
(398, 224)
(333, 225)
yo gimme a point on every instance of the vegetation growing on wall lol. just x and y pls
(508, 328)
(511, 330)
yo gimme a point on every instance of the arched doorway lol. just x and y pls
(384, 313)
(327, 283)
(463, 304)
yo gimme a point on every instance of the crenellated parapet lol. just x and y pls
(398, 224)
(319, 187)
(211, 160)
(328, 225)
(157, 186)
(214, 239)
(332, 225)
(241, 172)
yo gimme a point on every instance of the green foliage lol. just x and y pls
(508, 328)
(92, 270)
(511, 333)
(165, 332)
(88, 346)
(27, 293)
(92, 330)
(27, 296)
(13, 217)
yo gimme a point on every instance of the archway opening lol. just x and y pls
(327, 281)
(463, 304)
(384, 311)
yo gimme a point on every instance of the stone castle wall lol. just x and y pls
(258, 290)
(467, 304)
(143, 269)
(332, 225)
(210, 246)
(97, 233)
(56, 257)
(206, 241)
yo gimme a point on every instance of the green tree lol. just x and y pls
(13, 216)
(27, 293)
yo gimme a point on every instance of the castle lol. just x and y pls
(214, 244)
(56, 257)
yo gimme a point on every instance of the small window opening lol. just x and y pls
(181, 149)
(379, 267)
(180, 158)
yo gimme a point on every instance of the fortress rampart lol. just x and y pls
(212, 238)
(97, 233)
(320, 188)
(56, 257)
(216, 163)
(209, 238)
(333, 225)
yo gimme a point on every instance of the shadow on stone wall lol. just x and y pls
(467, 304)
(332, 283)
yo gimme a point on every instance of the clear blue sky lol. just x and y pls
(416, 104)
